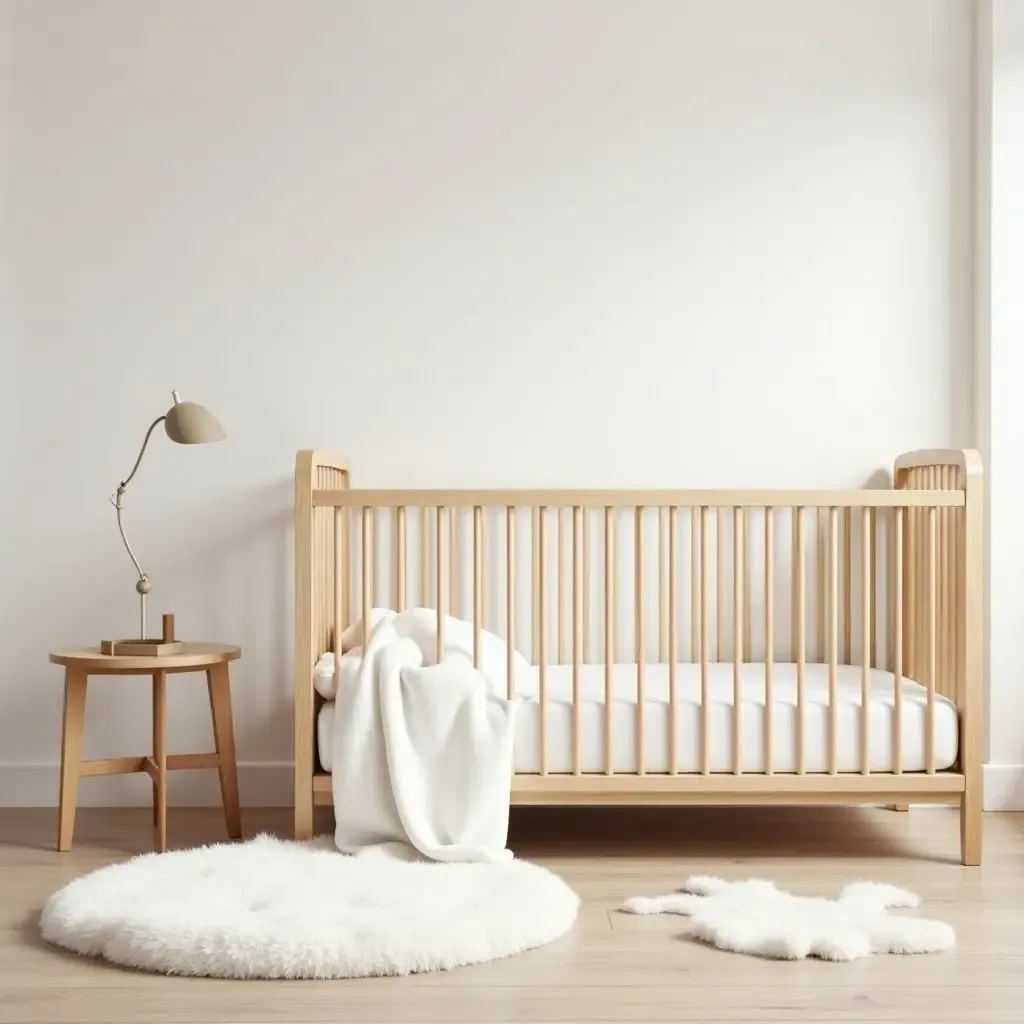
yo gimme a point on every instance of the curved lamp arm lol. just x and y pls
(142, 586)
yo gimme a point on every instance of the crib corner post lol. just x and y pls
(971, 667)
(305, 481)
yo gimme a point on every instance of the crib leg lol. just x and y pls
(898, 807)
(970, 826)
(304, 811)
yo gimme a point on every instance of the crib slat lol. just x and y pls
(720, 585)
(847, 588)
(866, 589)
(747, 624)
(930, 641)
(339, 569)
(641, 653)
(400, 558)
(586, 585)
(510, 602)
(738, 558)
(346, 563)
(375, 533)
(577, 634)
(535, 601)
(819, 550)
(943, 627)
(609, 632)
(367, 554)
(478, 581)
(908, 574)
(673, 637)
(454, 560)
(705, 694)
(922, 576)
(876, 578)
(953, 619)
(696, 611)
(958, 599)
(662, 586)
(801, 636)
(439, 582)
(769, 634)
(560, 585)
(899, 517)
(424, 557)
(542, 639)
(833, 640)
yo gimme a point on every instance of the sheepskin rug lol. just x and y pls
(275, 909)
(757, 918)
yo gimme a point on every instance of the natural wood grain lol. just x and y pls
(439, 581)
(937, 494)
(769, 633)
(425, 557)
(931, 646)
(577, 635)
(720, 584)
(897, 641)
(478, 583)
(560, 585)
(800, 613)
(585, 514)
(833, 639)
(400, 571)
(673, 638)
(542, 637)
(663, 561)
(193, 656)
(160, 758)
(75, 681)
(609, 633)
(219, 686)
(866, 590)
(611, 966)
(705, 688)
(971, 667)
(696, 601)
(639, 644)
(510, 601)
(738, 601)
(727, 499)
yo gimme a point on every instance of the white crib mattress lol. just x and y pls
(688, 717)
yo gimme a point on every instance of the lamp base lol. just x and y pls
(147, 647)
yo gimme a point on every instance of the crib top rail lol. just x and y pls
(882, 498)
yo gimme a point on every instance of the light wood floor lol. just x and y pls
(612, 967)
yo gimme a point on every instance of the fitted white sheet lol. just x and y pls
(559, 689)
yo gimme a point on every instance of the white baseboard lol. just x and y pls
(1004, 787)
(260, 784)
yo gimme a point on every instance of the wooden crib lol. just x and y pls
(691, 646)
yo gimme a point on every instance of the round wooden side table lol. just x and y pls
(79, 664)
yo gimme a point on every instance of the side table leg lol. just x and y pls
(219, 685)
(70, 753)
(160, 758)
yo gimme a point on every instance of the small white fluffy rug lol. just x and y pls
(275, 909)
(757, 918)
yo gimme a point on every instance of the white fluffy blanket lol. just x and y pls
(422, 752)
(756, 917)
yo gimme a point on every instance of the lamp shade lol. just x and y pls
(190, 423)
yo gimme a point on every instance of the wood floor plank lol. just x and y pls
(612, 966)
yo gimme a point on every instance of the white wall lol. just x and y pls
(1000, 404)
(669, 243)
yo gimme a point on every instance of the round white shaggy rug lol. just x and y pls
(275, 909)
